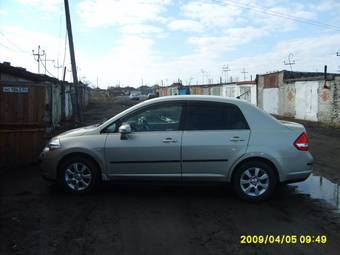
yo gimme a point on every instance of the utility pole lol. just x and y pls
(37, 56)
(191, 78)
(45, 61)
(58, 67)
(203, 72)
(244, 73)
(290, 61)
(73, 60)
(225, 70)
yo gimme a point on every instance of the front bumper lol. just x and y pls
(48, 164)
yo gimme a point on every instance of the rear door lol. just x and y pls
(215, 135)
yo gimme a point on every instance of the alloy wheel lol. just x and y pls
(254, 181)
(78, 176)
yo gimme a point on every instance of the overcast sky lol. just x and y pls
(153, 40)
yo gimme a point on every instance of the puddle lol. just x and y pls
(319, 187)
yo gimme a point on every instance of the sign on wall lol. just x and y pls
(15, 89)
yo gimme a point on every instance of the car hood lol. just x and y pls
(78, 131)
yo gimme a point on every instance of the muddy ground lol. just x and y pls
(37, 218)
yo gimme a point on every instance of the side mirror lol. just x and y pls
(124, 130)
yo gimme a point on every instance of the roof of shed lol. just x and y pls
(21, 72)
(295, 75)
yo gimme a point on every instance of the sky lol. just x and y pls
(135, 42)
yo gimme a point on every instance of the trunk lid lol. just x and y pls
(293, 125)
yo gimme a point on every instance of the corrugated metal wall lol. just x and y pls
(28, 111)
(22, 121)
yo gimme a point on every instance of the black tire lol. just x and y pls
(92, 169)
(251, 166)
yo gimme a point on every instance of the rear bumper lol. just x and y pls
(296, 168)
(297, 176)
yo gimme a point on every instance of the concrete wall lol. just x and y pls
(329, 106)
(273, 80)
(271, 100)
(336, 102)
(313, 100)
(306, 100)
(287, 100)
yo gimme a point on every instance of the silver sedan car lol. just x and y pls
(183, 138)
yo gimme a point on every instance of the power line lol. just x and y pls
(49, 60)
(290, 17)
(12, 43)
(46, 71)
(3, 45)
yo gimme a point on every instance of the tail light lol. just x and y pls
(301, 143)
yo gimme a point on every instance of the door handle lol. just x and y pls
(236, 139)
(169, 140)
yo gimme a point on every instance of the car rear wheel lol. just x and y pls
(78, 175)
(254, 181)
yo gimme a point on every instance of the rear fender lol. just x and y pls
(255, 155)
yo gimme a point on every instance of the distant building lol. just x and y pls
(310, 96)
(245, 90)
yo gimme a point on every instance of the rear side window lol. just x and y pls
(214, 116)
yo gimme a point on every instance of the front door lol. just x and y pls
(215, 135)
(152, 149)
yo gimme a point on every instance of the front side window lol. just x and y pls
(164, 117)
(214, 116)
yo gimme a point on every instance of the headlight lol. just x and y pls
(54, 144)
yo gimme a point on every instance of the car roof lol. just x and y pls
(197, 98)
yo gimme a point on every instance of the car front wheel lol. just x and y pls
(254, 181)
(78, 175)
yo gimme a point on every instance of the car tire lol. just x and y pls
(254, 181)
(78, 175)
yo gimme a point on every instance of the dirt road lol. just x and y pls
(37, 218)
